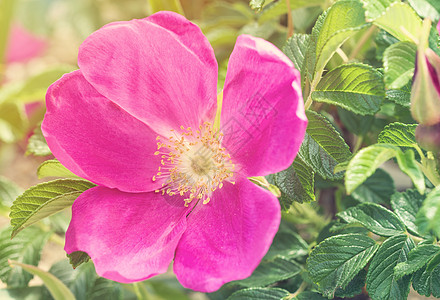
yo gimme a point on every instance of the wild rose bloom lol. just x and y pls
(22, 45)
(137, 119)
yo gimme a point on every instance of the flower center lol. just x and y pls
(194, 163)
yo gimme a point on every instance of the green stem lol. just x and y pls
(365, 38)
(301, 289)
(289, 20)
(338, 199)
(358, 144)
(419, 151)
(414, 238)
(139, 290)
(313, 85)
(430, 170)
(57, 239)
(342, 54)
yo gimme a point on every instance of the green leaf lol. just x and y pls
(434, 40)
(256, 4)
(410, 167)
(378, 188)
(84, 283)
(355, 123)
(417, 258)
(271, 271)
(381, 282)
(354, 287)
(307, 295)
(323, 147)
(106, 289)
(341, 167)
(37, 144)
(259, 294)
(338, 259)
(8, 192)
(355, 87)
(304, 18)
(53, 168)
(35, 87)
(317, 159)
(427, 8)
(399, 62)
(365, 163)
(401, 96)
(25, 293)
(327, 137)
(310, 59)
(398, 134)
(426, 281)
(167, 288)
(57, 289)
(336, 28)
(13, 122)
(25, 248)
(375, 218)
(170, 5)
(383, 40)
(278, 8)
(296, 49)
(296, 183)
(400, 19)
(287, 243)
(376, 8)
(406, 205)
(428, 217)
(45, 199)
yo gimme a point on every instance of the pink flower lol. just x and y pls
(137, 120)
(22, 45)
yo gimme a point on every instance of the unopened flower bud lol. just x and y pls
(429, 137)
(425, 94)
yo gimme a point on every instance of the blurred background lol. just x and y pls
(39, 42)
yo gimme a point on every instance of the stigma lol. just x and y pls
(193, 163)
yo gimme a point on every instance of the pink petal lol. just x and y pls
(96, 139)
(263, 117)
(129, 237)
(438, 27)
(160, 69)
(22, 45)
(226, 238)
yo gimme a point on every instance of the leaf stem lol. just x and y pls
(301, 289)
(413, 237)
(358, 144)
(419, 151)
(429, 169)
(139, 290)
(342, 54)
(54, 237)
(313, 85)
(362, 42)
(289, 20)
(57, 239)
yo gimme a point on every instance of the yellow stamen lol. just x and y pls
(194, 163)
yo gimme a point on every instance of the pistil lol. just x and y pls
(193, 163)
